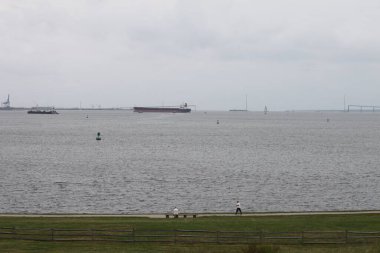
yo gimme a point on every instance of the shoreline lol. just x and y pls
(162, 215)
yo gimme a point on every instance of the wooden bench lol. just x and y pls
(184, 215)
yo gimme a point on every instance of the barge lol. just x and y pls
(171, 109)
(42, 110)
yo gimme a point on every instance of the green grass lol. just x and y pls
(356, 222)
(81, 247)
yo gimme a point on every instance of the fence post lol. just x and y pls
(261, 237)
(346, 236)
(52, 234)
(217, 237)
(14, 232)
(92, 234)
(133, 235)
(175, 236)
(302, 237)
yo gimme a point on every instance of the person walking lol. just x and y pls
(238, 208)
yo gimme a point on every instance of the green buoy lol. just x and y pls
(98, 137)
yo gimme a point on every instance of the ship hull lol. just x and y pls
(162, 109)
(42, 112)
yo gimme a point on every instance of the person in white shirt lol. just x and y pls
(175, 212)
(238, 208)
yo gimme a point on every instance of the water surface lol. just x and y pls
(148, 162)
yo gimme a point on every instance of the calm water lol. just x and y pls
(288, 161)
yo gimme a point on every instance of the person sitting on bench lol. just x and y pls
(175, 212)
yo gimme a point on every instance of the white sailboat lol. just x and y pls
(6, 105)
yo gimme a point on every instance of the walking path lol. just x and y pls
(162, 215)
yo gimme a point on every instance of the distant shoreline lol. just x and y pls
(69, 109)
(131, 109)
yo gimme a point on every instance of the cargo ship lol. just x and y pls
(42, 110)
(173, 109)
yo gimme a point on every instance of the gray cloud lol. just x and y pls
(210, 53)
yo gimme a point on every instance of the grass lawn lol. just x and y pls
(352, 222)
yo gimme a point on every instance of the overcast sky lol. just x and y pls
(285, 54)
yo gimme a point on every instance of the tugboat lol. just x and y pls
(42, 110)
(174, 109)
